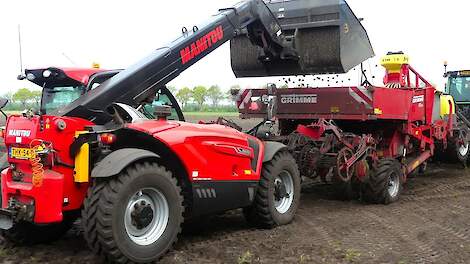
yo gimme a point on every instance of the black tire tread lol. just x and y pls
(98, 206)
(259, 213)
(375, 191)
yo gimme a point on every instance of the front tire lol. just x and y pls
(134, 217)
(384, 186)
(278, 194)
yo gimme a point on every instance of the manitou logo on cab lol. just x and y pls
(19, 133)
(202, 44)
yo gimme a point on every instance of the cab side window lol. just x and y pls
(161, 100)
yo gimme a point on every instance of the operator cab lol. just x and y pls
(458, 86)
(63, 86)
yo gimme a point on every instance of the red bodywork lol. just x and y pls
(81, 74)
(58, 183)
(210, 150)
(210, 153)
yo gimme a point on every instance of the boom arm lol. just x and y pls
(135, 84)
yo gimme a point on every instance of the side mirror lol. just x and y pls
(3, 102)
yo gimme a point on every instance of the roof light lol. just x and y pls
(30, 77)
(46, 74)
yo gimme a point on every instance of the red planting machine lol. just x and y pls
(367, 139)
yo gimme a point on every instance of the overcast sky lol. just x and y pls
(116, 34)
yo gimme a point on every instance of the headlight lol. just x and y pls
(46, 73)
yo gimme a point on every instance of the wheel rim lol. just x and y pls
(146, 217)
(393, 184)
(463, 149)
(283, 192)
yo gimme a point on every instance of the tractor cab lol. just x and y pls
(458, 85)
(62, 86)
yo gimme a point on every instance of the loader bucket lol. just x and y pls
(326, 35)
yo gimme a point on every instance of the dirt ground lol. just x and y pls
(430, 224)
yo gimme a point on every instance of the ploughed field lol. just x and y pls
(430, 224)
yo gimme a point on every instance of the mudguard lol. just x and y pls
(118, 160)
(271, 148)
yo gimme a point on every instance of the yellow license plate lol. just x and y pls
(21, 153)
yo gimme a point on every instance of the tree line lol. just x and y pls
(198, 98)
(201, 98)
(22, 99)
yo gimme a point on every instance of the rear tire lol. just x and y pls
(384, 186)
(455, 152)
(135, 216)
(275, 205)
(461, 152)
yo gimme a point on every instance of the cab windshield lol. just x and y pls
(459, 88)
(56, 97)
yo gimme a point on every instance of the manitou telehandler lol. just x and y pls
(365, 139)
(114, 157)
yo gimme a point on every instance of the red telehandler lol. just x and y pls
(365, 140)
(120, 156)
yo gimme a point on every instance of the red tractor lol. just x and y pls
(148, 175)
(365, 140)
(112, 147)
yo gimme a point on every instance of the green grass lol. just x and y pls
(232, 114)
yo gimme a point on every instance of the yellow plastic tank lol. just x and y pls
(447, 103)
(393, 62)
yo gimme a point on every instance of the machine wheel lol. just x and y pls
(384, 186)
(455, 151)
(343, 179)
(462, 152)
(278, 194)
(26, 233)
(135, 216)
